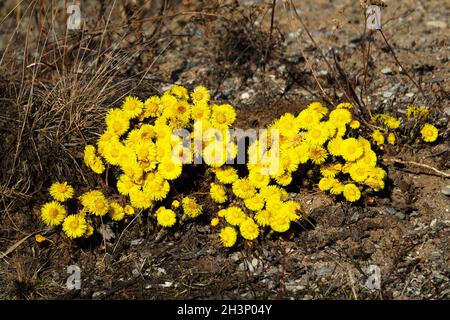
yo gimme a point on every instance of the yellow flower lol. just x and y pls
(175, 204)
(336, 187)
(125, 184)
(61, 191)
(89, 230)
(279, 222)
(191, 208)
(263, 218)
(417, 112)
(284, 180)
(308, 118)
(325, 183)
(113, 152)
(165, 217)
(156, 187)
(358, 171)
(228, 236)
(214, 154)
(340, 116)
(391, 138)
(243, 188)
(249, 229)
(89, 154)
(53, 213)
(235, 216)
(170, 170)
(200, 111)
(151, 108)
(116, 211)
(218, 193)
(39, 238)
(214, 222)
(317, 154)
(334, 146)
(97, 165)
(200, 94)
(222, 115)
(95, 202)
(257, 179)
(132, 107)
(74, 226)
(351, 149)
(351, 192)
(255, 203)
(271, 192)
(378, 137)
(344, 105)
(180, 92)
(318, 134)
(354, 124)
(429, 133)
(117, 122)
(329, 171)
(318, 107)
(226, 175)
(129, 210)
(140, 199)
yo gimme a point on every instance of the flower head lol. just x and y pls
(228, 236)
(61, 191)
(74, 226)
(429, 133)
(53, 213)
(165, 217)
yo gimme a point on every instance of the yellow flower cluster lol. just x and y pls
(390, 124)
(314, 138)
(143, 150)
(93, 203)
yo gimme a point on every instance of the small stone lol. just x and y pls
(161, 271)
(388, 94)
(447, 111)
(433, 223)
(390, 210)
(135, 273)
(400, 215)
(323, 271)
(245, 96)
(410, 94)
(437, 24)
(242, 266)
(137, 242)
(98, 294)
(386, 70)
(446, 190)
(166, 284)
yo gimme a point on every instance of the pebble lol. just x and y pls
(166, 284)
(323, 271)
(447, 111)
(137, 242)
(386, 70)
(245, 96)
(98, 294)
(390, 210)
(410, 94)
(135, 273)
(446, 190)
(400, 215)
(437, 24)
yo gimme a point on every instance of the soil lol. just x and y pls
(403, 232)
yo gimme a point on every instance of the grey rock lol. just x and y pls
(323, 271)
(410, 94)
(447, 111)
(386, 70)
(389, 210)
(135, 273)
(446, 190)
(400, 215)
(137, 242)
(98, 294)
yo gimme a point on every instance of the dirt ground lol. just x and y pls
(228, 47)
